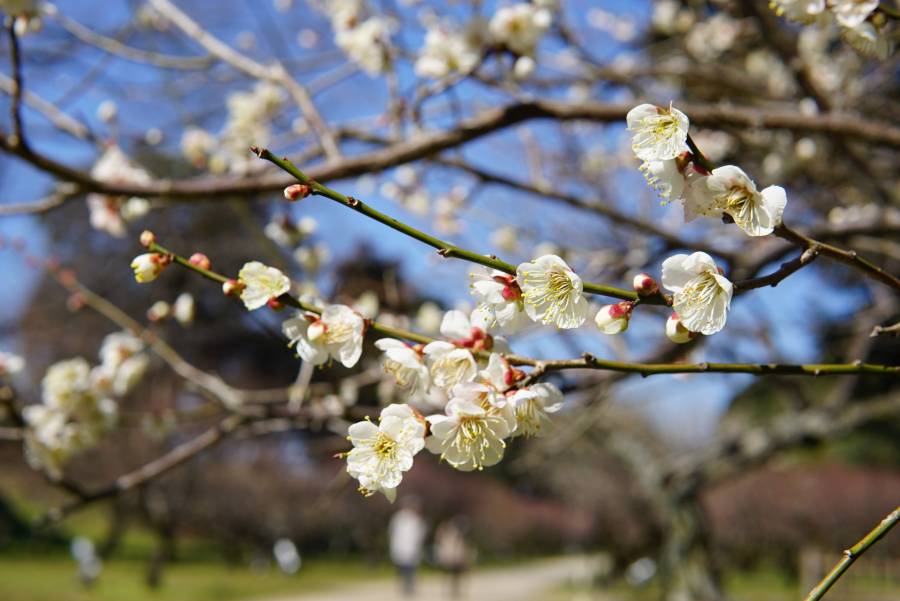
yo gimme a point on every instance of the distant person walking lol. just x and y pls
(407, 532)
(451, 551)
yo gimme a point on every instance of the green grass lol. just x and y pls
(25, 579)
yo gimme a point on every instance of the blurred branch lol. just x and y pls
(852, 554)
(56, 117)
(17, 139)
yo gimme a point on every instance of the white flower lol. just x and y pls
(337, 333)
(447, 52)
(367, 44)
(467, 437)
(532, 406)
(261, 283)
(868, 40)
(658, 134)
(804, 11)
(613, 319)
(552, 292)
(105, 215)
(520, 27)
(406, 364)
(757, 213)
(449, 364)
(698, 198)
(134, 208)
(665, 178)
(499, 298)
(10, 364)
(196, 145)
(524, 67)
(184, 308)
(676, 332)
(129, 374)
(65, 383)
(852, 13)
(702, 296)
(148, 266)
(382, 453)
(118, 347)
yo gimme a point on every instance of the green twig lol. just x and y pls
(852, 554)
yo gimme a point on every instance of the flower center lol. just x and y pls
(473, 439)
(450, 370)
(554, 289)
(528, 414)
(402, 374)
(385, 447)
(740, 203)
(702, 290)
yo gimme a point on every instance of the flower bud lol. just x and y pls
(159, 311)
(676, 331)
(232, 287)
(148, 266)
(275, 304)
(644, 285)
(613, 319)
(201, 261)
(147, 238)
(297, 191)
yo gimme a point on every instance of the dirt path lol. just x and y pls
(520, 583)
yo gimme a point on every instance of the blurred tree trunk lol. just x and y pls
(688, 571)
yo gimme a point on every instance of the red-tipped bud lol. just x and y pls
(297, 191)
(147, 238)
(676, 332)
(275, 304)
(201, 261)
(645, 285)
(613, 319)
(232, 287)
(75, 302)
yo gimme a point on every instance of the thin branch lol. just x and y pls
(852, 554)
(786, 269)
(588, 361)
(56, 117)
(17, 139)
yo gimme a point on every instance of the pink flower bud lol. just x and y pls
(676, 332)
(644, 285)
(201, 261)
(613, 319)
(232, 287)
(147, 238)
(275, 304)
(297, 191)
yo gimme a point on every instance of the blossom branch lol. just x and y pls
(587, 361)
(445, 249)
(852, 554)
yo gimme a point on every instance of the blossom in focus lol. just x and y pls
(532, 407)
(657, 133)
(467, 437)
(261, 283)
(382, 453)
(552, 292)
(406, 364)
(499, 298)
(148, 266)
(665, 177)
(701, 295)
(613, 319)
(756, 213)
(336, 333)
(451, 363)
(520, 27)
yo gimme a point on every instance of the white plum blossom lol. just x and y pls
(532, 406)
(406, 364)
(658, 133)
(261, 284)
(756, 213)
(367, 44)
(336, 333)
(109, 213)
(118, 347)
(468, 437)
(702, 295)
(552, 292)
(499, 299)
(613, 319)
(520, 27)
(382, 453)
(699, 201)
(676, 332)
(196, 145)
(183, 308)
(852, 13)
(148, 266)
(10, 364)
(447, 51)
(451, 363)
(665, 177)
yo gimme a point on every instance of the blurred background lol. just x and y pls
(705, 486)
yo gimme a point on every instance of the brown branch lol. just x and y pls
(775, 278)
(17, 139)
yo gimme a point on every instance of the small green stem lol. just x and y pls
(852, 554)
(444, 248)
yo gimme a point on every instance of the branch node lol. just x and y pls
(352, 201)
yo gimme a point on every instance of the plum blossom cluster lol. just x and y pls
(863, 24)
(78, 403)
(364, 38)
(515, 28)
(110, 214)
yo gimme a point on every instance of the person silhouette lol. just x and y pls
(451, 552)
(406, 534)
